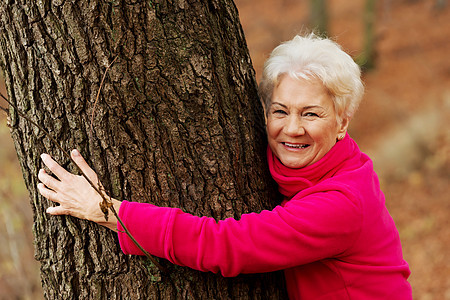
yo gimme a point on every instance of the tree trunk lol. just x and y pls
(319, 16)
(367, 58)
(178, 123)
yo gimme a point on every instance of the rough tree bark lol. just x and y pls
(178, 124)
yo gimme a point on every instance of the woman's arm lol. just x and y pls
(317, 226)
(75, 196)
(314, 227)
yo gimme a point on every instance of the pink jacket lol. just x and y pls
(332, 235)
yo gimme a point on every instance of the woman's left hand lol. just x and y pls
(75, 195)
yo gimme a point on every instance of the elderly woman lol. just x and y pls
(332, 235)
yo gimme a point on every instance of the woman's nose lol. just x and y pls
(294, 126)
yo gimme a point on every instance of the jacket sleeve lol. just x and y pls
(304, 230)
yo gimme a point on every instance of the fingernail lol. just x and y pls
(49, 210)
(43, 156)
(75, 152)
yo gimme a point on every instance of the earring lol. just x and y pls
(341, 137)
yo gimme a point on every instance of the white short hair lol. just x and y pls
(310, 57)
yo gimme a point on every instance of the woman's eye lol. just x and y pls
(310, 114)
(279, 111)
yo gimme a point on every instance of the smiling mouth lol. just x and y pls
(296, 146)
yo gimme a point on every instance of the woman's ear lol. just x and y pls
(343, 126)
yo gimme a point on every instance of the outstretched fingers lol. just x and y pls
(82, 164)
(53, 166)
(48, 180)
(52, 196)
(57, 211)
(73, 193)
(47, 193)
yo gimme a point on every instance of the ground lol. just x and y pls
(402, 124)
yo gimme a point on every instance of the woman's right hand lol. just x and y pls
(74, 194)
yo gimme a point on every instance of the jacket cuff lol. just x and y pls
(150, 226)
(126, 244)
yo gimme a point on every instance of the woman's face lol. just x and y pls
(301, 122)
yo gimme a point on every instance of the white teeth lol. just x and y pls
(296, 145)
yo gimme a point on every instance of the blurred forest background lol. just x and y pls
(403, 124)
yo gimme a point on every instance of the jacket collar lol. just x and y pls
(291, 181)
